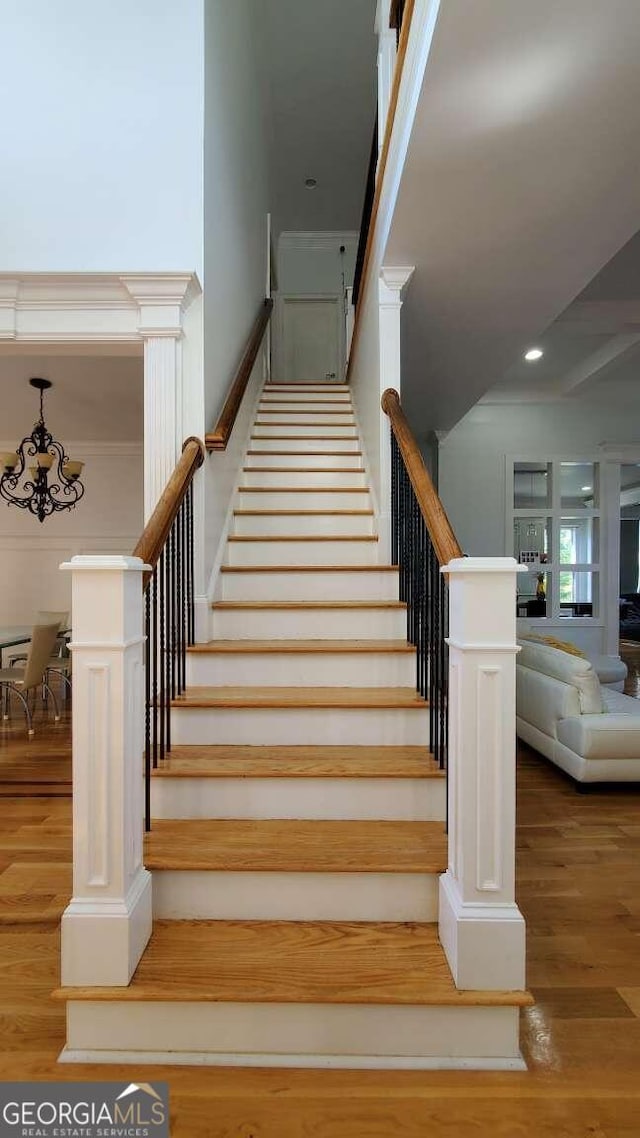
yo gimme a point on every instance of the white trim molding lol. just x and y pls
(109, 309)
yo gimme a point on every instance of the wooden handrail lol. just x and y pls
(157, 529)
(435, 518)
(218, 438)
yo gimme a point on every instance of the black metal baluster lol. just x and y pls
(192, 627)
(183, 597)
(168, 655)
(161, 653)
(152, 661)
(178, 576)
(147, 710)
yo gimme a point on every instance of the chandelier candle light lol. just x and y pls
(39, 476)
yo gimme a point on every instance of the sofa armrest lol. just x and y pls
(601, 736)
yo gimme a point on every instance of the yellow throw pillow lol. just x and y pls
(561, 645)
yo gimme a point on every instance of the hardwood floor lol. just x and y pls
(578, 886)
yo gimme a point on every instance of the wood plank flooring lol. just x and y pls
(579, 888)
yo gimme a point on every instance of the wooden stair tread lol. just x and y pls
(327, 605)
(305, 402)
(306, 962)
(303, 438)
(302, 470)
(309, 569)
(302, 513)
(264, 407)
(296, 846)
(298, 762)
(305, 537)
(300, 697)
(333, 453)
(242, 646)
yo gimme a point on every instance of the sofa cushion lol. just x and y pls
(573, 670)
(542, 700)
(615, 736)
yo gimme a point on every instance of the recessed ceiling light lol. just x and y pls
(586, 487)
(310, 183)
(533, 354)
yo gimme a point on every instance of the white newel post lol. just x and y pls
(107, 923)
(481, 928)
(390, 286)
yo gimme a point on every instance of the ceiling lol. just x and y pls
(592, 350)
(521, 182)
(97, 398)
(320, 59)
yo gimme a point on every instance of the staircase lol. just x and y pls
(298, 832)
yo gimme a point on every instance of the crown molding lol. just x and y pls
(320, 239)
(89, 449)
(93, 307)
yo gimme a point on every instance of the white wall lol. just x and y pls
(236, 191)
(472, 469)
(108, 519)
(102, 135)
(235, 229)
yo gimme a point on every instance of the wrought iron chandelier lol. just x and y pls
(39, 476)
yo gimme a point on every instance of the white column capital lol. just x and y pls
(162, 300)
(393, 281)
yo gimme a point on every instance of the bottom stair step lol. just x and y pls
(307, 993)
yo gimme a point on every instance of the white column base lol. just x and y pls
(484, 944)
(103, 940)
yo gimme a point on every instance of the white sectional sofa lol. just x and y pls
(592, 732)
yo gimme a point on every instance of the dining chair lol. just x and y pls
(23, 681)
(60, 662)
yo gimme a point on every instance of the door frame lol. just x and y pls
(278, 361)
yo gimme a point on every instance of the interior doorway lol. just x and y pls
(312, 340)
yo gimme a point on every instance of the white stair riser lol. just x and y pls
(334, 799)
(306, 482)
(305, 418)
(309, 624)
(299, 446)
(302, 552)
(277, 405)
(290, 669)
(325, 431)
(291, 460)
(286, 896)
(302, 498)
(317, 585)
(307, 525)
(365, 727)
(374, 1036)
(302, 390)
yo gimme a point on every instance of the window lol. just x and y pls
(556, 531)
